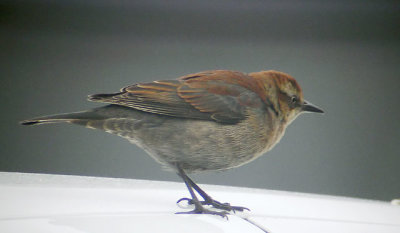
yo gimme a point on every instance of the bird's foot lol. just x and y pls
(216, 204)
(199, 209)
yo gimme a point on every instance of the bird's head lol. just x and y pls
(284, 94)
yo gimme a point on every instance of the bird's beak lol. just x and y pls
(308, 107)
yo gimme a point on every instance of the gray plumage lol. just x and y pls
(196, 145)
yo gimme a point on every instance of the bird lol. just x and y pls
(207, 121)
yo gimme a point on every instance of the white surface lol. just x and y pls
(71, 204)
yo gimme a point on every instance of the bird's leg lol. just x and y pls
(198, 207)
(214, 203)
(207, 199)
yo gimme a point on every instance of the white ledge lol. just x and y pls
(72, 204)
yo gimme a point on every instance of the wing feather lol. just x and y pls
(222, 96)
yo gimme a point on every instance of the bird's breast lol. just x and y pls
(260, 133)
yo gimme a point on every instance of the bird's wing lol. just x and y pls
(222, 96)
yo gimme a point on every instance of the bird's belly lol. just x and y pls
(202, 145)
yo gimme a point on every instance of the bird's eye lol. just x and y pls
(294, 101)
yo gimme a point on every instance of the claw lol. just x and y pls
(200, 210)
(216, 204)
(239, 208)
(185, 199)
(224, 206)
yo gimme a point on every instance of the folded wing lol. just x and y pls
(222, 96)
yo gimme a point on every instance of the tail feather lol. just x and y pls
(101, 97)
(115, 119)
(61, 118)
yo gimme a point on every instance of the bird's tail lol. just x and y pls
(74, 117)
(114, 119)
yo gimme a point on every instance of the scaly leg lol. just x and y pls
(198, 207)
(208, 200)
(214, 203)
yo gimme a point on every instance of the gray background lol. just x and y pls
(345, 55)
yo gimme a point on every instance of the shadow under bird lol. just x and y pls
(208, 121)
